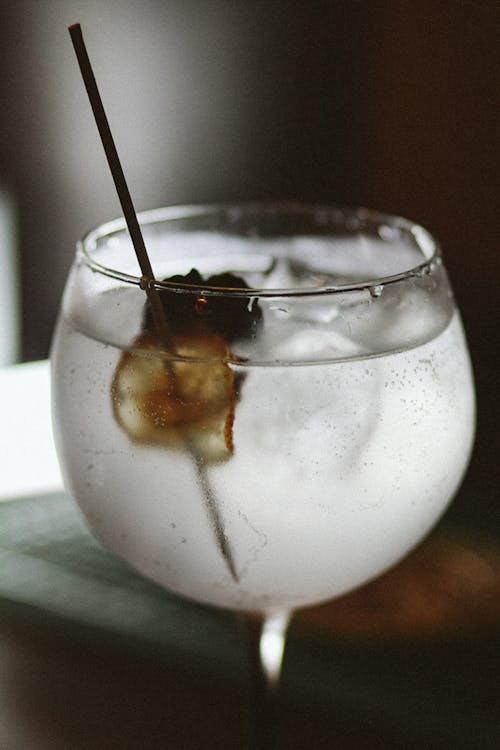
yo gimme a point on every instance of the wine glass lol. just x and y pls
(305, 425)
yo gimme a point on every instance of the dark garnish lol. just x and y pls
(197, 314)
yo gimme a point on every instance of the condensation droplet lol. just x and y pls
(376, 290)
(435, 264)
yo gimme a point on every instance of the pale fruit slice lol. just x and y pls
(178, 403)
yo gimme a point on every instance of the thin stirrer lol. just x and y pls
(148, 279)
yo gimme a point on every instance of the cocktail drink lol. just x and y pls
(262, 406)
(306, 424)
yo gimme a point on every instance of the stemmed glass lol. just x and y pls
(306, 424)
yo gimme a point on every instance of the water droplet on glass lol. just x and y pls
(434, 264)
(376, 290)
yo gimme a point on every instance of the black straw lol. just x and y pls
(148, 279)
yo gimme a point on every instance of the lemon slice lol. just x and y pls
(184, 402)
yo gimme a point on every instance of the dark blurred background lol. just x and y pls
(390, 104)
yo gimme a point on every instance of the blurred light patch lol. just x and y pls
(29, 464)
(272, 645)
(9, 280)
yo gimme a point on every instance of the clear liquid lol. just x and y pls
(338, 470)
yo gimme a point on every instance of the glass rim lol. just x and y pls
(425, 241)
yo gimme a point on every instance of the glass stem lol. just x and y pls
(265, 638)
